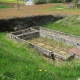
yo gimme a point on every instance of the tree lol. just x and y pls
(69, 0)
(77, 4)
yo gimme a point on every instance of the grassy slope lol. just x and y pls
(20, 62)
(70, 25)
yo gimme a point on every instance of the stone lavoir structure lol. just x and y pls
(35, 32)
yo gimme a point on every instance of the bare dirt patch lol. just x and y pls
(24, 11)
(31, 10)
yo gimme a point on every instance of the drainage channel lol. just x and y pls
(32, 37)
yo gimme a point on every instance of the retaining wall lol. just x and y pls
(60, 36)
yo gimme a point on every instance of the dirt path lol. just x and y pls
(31, 10)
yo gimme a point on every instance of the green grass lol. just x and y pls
(8, 0)
(20, 62)
(4, 6)
(61, 8)
(12, 1)
(70, 25)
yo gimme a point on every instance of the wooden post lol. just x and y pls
(18, 4)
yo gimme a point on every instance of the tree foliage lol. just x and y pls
(48, 1)
(75, 1)
(54, 1)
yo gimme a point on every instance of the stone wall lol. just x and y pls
(14, 24)
(29, 35)
(25, 34)
(51, 54)
(31, 29)
(60, 36)
(14, 37)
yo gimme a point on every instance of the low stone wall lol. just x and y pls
(60, 36)
(14, 24)
(24, 34)
(13, 37)
(31, 29)
(27, 36)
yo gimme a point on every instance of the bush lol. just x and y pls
(69, 0)
(40, 1)
(75, 1)
(54, 1)
(47, 1)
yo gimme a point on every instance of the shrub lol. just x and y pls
(40, 1)
(75, 1)
(47, 1)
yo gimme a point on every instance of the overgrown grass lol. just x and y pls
(5, 6)
(20, 62)
(70, 25)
